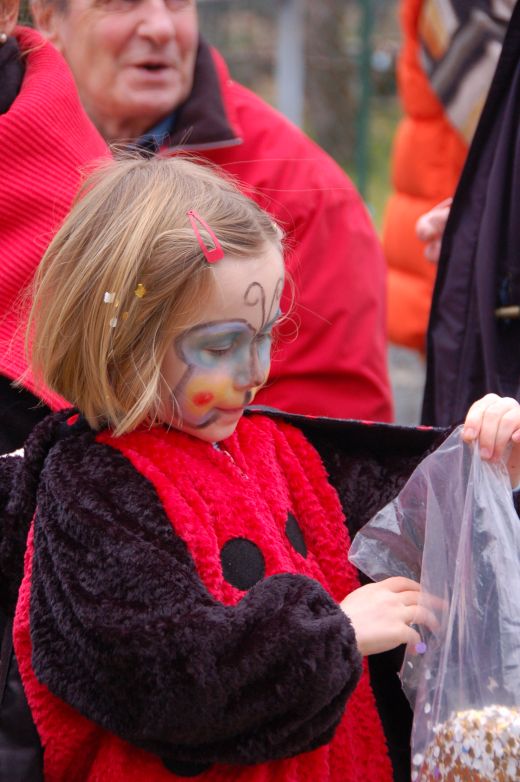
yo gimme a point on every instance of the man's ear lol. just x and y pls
(46, 16)
(8, 16)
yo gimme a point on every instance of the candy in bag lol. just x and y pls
(455, 529)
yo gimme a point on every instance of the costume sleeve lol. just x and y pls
(124, 630)
(12, 537)
(332, 350)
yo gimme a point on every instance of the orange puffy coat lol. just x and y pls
(427, 160)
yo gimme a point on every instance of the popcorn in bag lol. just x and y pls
(455, 529)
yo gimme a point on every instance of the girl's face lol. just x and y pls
(214, 368)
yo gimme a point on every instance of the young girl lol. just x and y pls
(187, 607)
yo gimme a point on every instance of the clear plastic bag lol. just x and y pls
(454, 527)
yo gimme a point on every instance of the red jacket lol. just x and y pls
(331, 359)
(47, 141)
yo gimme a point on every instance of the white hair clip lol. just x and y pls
(109, 298)
(113, 323)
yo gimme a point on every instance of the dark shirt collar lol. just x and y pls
(158, 136)
(11, 73)
(201, 121)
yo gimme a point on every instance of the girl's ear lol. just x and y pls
(8, 15)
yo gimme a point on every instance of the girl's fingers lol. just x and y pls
(412, 637)
(499, 421)
(475, 414)
(410, 598)
(420, 615)
(401, 584)
(492, 420)
(508, 425)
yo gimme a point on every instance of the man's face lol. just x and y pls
(133, 60)
(214, 368)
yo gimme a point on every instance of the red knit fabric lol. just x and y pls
(210, 496)
(46, 141)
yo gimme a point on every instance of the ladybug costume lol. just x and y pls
(178, 614)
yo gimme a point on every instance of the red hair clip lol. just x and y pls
(210, 254)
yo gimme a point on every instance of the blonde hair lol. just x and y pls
(129, 233)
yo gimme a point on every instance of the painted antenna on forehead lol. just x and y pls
(210, 254)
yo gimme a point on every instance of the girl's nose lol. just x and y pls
(251, 373)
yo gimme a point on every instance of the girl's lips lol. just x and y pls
(229, 410)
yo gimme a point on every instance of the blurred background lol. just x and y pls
(330, 67)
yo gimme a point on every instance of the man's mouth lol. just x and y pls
(153, 66)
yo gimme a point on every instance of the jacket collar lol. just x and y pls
(207, 119)
(11, 73)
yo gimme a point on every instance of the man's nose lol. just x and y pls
(158, 22)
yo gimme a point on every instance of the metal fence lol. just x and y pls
(323, 64)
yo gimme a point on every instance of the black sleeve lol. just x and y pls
(124, 630)
(20, 411)
(12, 537)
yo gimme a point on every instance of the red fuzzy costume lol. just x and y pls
(268, 491)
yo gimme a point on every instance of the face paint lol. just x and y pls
(228, 361)
(215, 367)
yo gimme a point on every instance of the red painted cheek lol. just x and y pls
(202, 398)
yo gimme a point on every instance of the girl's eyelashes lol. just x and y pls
(218, 351)
(264, 336)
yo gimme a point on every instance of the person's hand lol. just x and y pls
(430, 229)
(494, 421)
(382, 614)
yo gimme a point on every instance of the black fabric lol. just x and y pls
(186, 769)
(20, 411)
(21, 756)
(295, 535)
(243, 563)
(11, 73)
(202, 120)
(19, 480)
(469, 351)
(143, 618)
(369, 464)
(128, 532)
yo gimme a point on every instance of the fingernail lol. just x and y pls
(468, 433)
(421, 647)
(485, 453)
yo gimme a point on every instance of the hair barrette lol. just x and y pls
(210, 254)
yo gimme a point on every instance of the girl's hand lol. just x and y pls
(381, 614)
(430, 229)
(494, 421)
